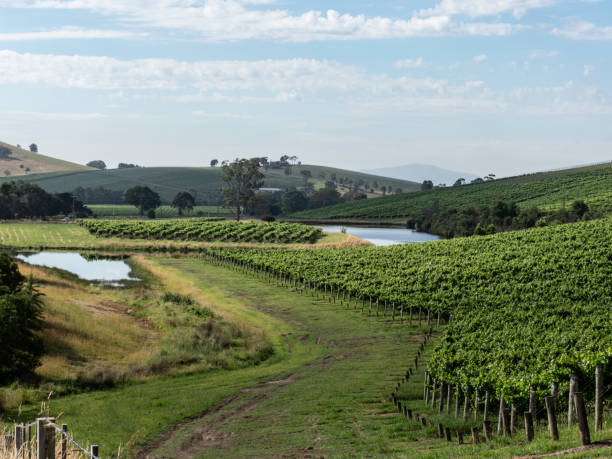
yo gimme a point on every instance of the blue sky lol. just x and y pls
(503, 86)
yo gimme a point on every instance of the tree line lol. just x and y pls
(25, 200)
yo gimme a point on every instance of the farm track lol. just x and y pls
(282, 415)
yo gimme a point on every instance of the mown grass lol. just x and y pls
(61, 236)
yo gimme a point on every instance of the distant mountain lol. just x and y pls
(420, 172)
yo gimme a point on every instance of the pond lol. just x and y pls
(383, 236)
(113, 271)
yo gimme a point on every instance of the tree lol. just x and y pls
(459, 182)
(34, 148)
(580, 207)
(214, 163)
(324, 197)
(5, 152)
(97, 164)
(306, 174)
(20, 319)
(183, 201)
(294, 201)
(143, 198)
(477, 180)
(427, 185)
(383, 189)
(127, 166)
(242, 177)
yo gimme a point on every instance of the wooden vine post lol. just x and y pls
(528, 426)
(552, 417)
(581, 415)
(485, 410)
(449, 397)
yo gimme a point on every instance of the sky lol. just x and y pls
(482, 86)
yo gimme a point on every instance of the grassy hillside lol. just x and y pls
(204, 183)
(24, 162)
(321, 174)
(548, 191)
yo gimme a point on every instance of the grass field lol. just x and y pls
(549, 191)
(204, 183)
(123, 210)
(36, 236)
(325, 392)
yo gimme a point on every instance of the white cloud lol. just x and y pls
(540, 54)
(476, 8)
(59, 116)
(480, 59)
(68, 32)
(584, 31)
(408, 63)
(230, 20)
(224, 115)
(588, 69)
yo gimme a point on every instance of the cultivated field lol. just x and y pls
(124, 210)
(549, 191)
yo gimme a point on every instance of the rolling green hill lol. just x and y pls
(204, 183)
(547, 191)
(23, 162)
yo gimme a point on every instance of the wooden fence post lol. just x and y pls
(64, 441)
(19, 439)
(581, 415)
(94, 452)
(552, 417)
(528, 426)
(426, 387)
(573, 387)
(598, 397)
(45, 438)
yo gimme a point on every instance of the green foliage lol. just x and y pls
(202, 229)
(549, 191)
(528, 307)
(183, 201)
(97, 164)
(293, 201)
(143, 198)
(20, 319)
(5, 152)
(242, 178)
(31, 201)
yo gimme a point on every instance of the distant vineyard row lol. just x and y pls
(528, 307)
(548, 191)
(204, 229)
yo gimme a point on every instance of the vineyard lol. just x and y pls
(204, 230)
(548, 191)
(528, 308)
